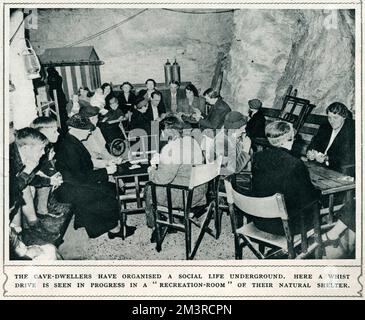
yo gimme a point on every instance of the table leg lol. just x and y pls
(330, 208)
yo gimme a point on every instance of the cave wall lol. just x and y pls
(321, 63)
(271, 49)
(138, 49)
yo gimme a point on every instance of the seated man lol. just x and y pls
(232, 143)
(334, 143)
(174, 97)
(256, 125)
(275, 170)
(25, 153)
(218, 111)
(156, 109)
(47, 177)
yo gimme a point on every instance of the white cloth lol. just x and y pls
(95, 144)
(333, 137)
(184, 150)
(155, 112)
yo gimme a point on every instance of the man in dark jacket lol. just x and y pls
(256, 125)
(174, 97)
(275, 170)
(156, 108)
(334, 143)
(218, 111)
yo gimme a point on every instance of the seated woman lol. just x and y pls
(140, 118)
(98, 101)
(275, 170)
(92, 196)
(175, 162)
(109, 123)
(193, 107)
(334, 143)
(127, 98)
(96, 144)
(146, 93)
(82, 98)
(108, 94)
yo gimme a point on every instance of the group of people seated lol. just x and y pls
(76, 168)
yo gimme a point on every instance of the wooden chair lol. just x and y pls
(271, 207)
(294, 109)
(133, 193)
(165, 217)
(47, 107)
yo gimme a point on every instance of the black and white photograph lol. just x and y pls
(169, 132)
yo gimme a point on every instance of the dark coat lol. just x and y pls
(18, 180)
(198, 103)
(256, 125)
(217, 113)
(88, 190)
(161, 109)
(180, 96)
(342, 151)
(141, 120)
(126, 105)
(275, 170)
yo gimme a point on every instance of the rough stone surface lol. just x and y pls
(321, 63)
(258, 56)
(311, 49)
(138, 49)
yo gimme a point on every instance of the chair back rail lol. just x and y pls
(166, 215)
(271, 207)
(265, 207)
(203, 173)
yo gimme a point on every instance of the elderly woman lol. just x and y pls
(175, 162)
(93, 198)
(275, 170)
(334, 144)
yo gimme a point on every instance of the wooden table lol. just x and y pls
(133, 181)
(330, 182)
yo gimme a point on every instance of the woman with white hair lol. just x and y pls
(275, 170)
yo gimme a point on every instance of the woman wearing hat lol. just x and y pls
(256, 125)
(140, 119)
(96, 143)
(127, 98)
(88, 190)
(232, 143)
